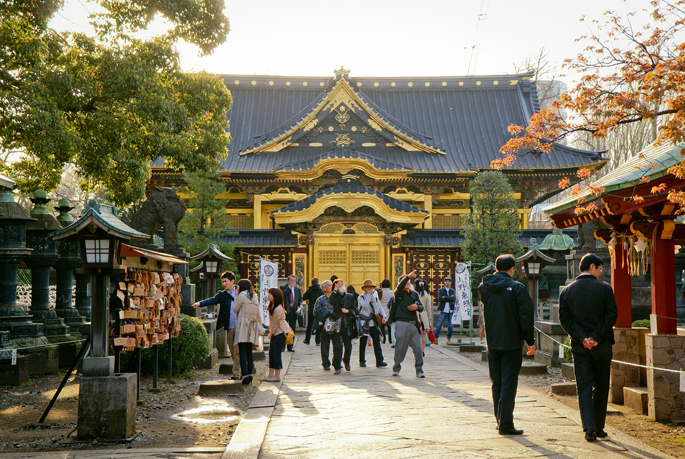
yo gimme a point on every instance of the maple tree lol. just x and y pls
(627, 76)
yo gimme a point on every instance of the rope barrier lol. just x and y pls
(615, 361)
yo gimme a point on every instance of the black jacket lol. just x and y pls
(402, 300)
(291, 309)
(311, 295)
(443, 298)
(508, 312)
(346, 301)
(587, 308)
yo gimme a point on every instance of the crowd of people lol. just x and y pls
(338, 316)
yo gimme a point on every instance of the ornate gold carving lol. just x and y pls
(341, 72)
(333, 257)
(374, 125)
(365, 257)
(332, 228)
(402, 144)
(316, 144)
(368, 144)
(365, 228)
(343, 165)
(342, 140)
(310, 125)
(342, 117)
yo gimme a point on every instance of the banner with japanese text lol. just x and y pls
(268, 278)
(462, 289)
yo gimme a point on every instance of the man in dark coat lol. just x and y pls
(587, 312)
(509, 320)
(310, 296)
(292, 299)
(446, 302)
(348, 305)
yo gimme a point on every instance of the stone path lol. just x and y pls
(369, 413)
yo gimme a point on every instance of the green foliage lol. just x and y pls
(568, 355)
(203, 205)
(191, 346)
(492, 227)
(111, 103)
(641, 323)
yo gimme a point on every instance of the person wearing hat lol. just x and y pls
(369, 307)
(446, 302)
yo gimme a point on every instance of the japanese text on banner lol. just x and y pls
(462, 289)
(268, 278)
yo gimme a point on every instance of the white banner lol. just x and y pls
(462, 288)
(268, 278)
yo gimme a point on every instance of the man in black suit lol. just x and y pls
(292, 297)
(587, 312)
(508, 321)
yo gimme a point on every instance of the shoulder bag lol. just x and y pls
(290, 337)
(331, 326)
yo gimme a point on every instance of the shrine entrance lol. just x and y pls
(353, 254)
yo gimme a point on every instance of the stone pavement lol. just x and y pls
(369, 413)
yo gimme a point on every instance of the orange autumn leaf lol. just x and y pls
(564, 183)
(659, 188)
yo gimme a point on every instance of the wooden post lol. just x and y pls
(662, 264)
(621, 283)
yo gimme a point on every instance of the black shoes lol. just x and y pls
(590, 435)
(362, 364)
(291, 350)
(306, 342)
(327, 368)
(337, 371)
(511, 432)
(382, 364)
(247, 380)
(347, 367)
(601, 434)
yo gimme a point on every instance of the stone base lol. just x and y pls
(565, 388)
(567, 371)
(258, 356)
(98, 366)
(666, 402)
(626, 349)
(42, 360)
(484, 356)
(220, 343)
(547, 349)
(107, 407)
(211, 388)
(68, 350)
(226, 369)
(533, 368)
(14, 375)
(210, 361)
(471, 348)
(636, 398)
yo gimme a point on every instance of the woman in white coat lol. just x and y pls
(248, 327)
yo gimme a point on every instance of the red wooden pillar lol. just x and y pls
(662, 265)
(620, 282)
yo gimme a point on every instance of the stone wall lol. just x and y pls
(666, 402)
(629, 347)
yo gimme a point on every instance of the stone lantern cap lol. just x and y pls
(534, 253)
(9, 209)
(557, 241)
(44, 220)
(104, 217)
(211, 252)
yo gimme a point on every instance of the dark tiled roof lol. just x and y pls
(261, 238)
(349, 186)
(453, 237)
(465, 117)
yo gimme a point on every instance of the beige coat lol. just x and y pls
(277, 322)
(427, 313)
(248, 326)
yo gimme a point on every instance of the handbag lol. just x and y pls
(379, 318)
(431, 335)
(419, 323)
(290, 337)
(332, 326)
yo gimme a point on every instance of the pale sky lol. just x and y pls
(386, 38)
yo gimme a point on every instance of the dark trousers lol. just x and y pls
(292, 321)
(376, 338)
(347, 344)
(310, 329)
(276, 346)
(326, 340)
(593, 369)
(246, 362)
(504, 373)
(386, 330)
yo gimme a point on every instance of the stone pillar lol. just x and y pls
(84, 286)
(621, 284)
(666, 402)
(107, 407)
(69, 259)
(662, 268)
(626, 349)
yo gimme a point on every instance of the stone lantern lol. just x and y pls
(107, 401)
(530, 269)
(36, 352)
(69, 259)
(40, 260)
(211, 267)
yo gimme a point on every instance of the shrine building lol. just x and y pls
(368, 178)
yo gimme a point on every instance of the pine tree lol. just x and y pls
(197, 230)
(492, 227)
